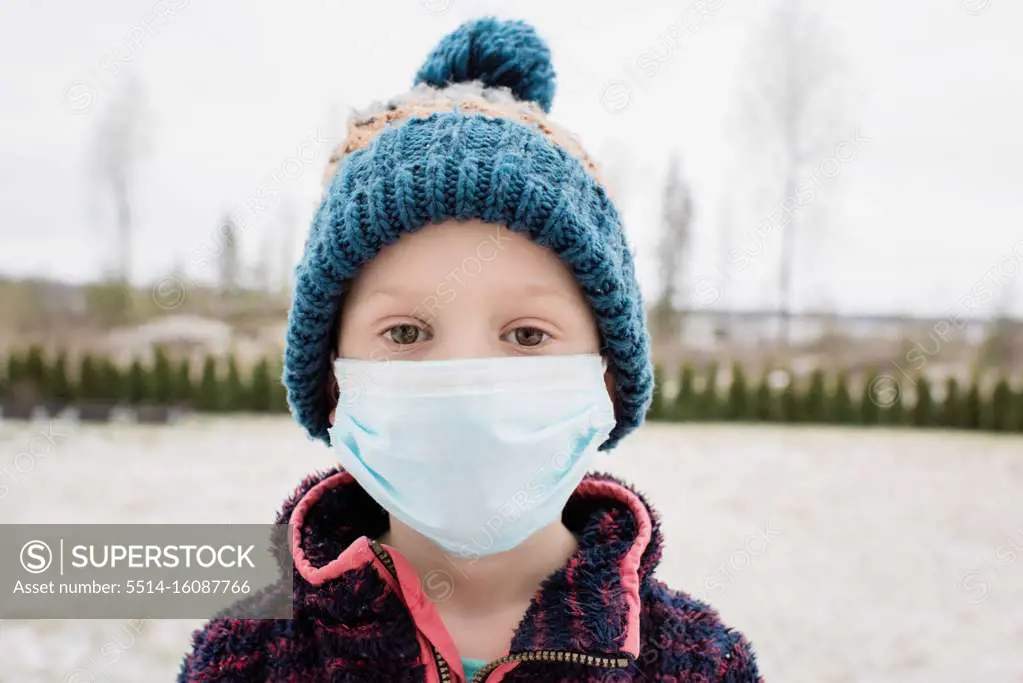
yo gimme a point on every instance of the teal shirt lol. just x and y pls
(471, 666)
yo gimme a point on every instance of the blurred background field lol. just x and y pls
(823, 200)
(888, 556)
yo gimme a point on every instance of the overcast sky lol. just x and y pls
(929, 209)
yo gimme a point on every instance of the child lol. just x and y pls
(466, 333)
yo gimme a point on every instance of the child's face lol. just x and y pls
(465, 290)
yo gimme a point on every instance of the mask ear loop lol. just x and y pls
(335, 389)
(333, 392)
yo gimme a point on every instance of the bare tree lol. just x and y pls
(290, 224)
(277, 251)
(228, 257)
(121, 140)
(673, 249)
(791, 112)
(996, 350)
(725, 234)
(263, 268)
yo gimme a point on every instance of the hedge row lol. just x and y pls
(822, 398)
(699, 394)
(215, 385)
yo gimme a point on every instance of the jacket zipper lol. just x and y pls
(444, 670)
(552, 656)
(442, 666)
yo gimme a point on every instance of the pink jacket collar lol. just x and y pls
(592, 604)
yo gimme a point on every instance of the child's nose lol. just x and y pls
(468, 343)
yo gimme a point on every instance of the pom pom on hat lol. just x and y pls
(498, 53)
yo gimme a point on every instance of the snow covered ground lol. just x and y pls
(845, 556)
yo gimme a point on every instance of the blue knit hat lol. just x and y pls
(470, 141)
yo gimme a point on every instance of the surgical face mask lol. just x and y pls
(476, 454)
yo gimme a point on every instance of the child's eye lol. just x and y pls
(528, 336)
(406, 334)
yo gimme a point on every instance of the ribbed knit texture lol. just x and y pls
(461, 165)
(499, 53)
